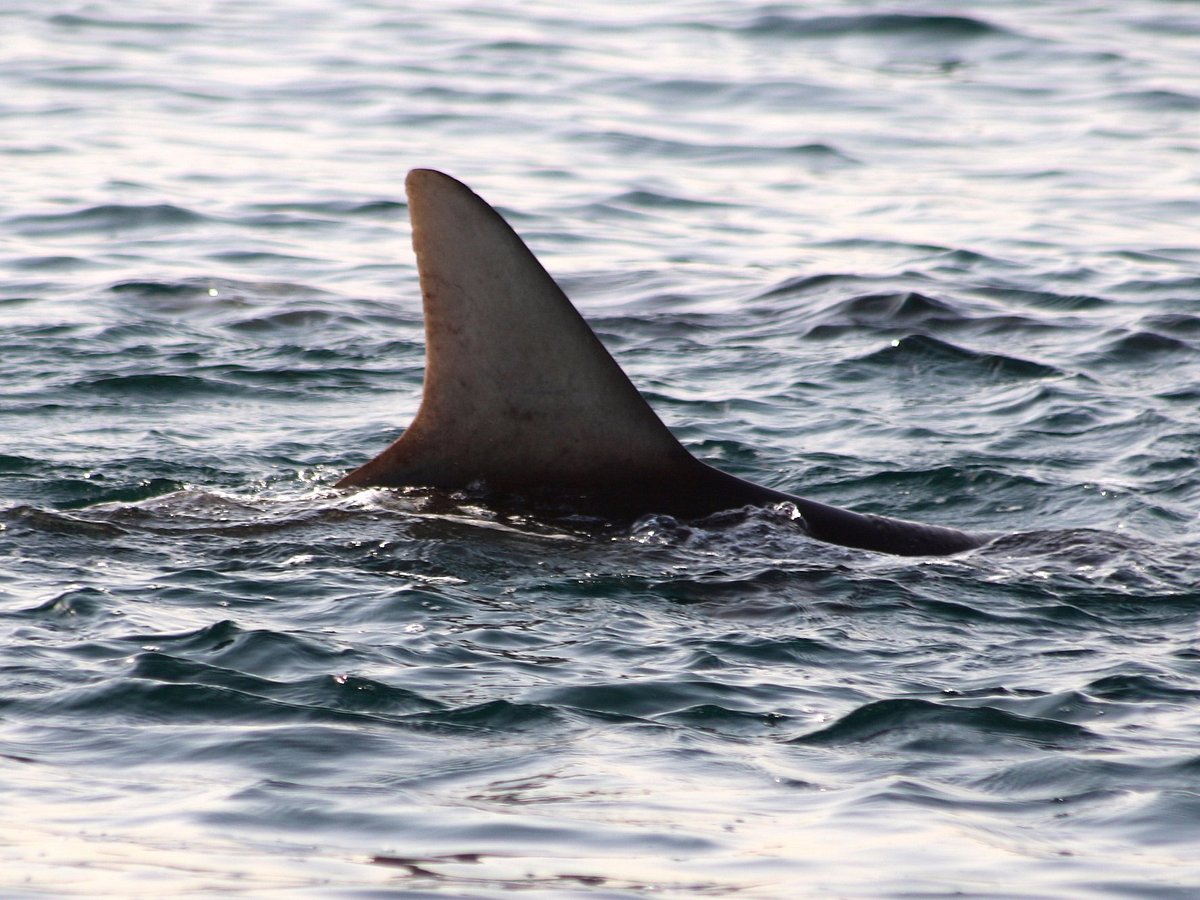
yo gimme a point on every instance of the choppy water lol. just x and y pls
(940, 262)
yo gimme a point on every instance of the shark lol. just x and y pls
(522, 402)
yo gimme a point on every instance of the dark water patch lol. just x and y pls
(317, 91)
(1090, 549)
(1077, 781)
(722, 720)
(15, 301)
(817, 156)
(471, 97)
(218, 292)
(960, 260)
(902, 309)
(965, 613)
(102, 81)
(255, 256)
(671, 90)
(1045, 300)
(321, 359)
(905, 306)
(910, 725)
(606, 212)
(289, 756)
(439, 664)
(1141, 348)
(775, 94)
(1158, 256)
(225, 302)
(287, 220)
(385, 209)
(48, 522)
(762, 93)
(1186, 287)
(109, 219)
(79, 20)
(754, 651)
(260, 652)
(209, 638)
(1178, 325)
(1138, 689)
(803, 284)
(35, 149)
(142, 338)
(1062, 419)
(293, 319)
(82, 603)
(932, 481)
(19, 465)
(229, 591)
(307, 372)
(1009, 328)
(1062, 616)
(933, 357)
(1168, 20)
(1157, 100)
(156, 666)
(153, 387)
(856, 243)
(114, 479)
(161, 703)
(1181, 395)
(342, 692)
(1060, 706)
(648, 699)
(52, 263)
(718, 585)
(662, 326)
(156, 289)
(497, 717)
(645, 199)
(527, 48)
(935, 28)
(868, 297)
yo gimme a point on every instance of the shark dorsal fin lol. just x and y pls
(521, 398)
(519, 393)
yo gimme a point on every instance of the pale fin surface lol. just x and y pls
(518, 390)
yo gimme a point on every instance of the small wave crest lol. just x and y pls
(909, 723)
(106, 218)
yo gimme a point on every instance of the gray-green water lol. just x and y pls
(937, 262)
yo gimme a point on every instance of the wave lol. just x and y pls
(930, 354)
(79, 20)
(106, 218)
(814, 155)
(906, 723)
(939, 28)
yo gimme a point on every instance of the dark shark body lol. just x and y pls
(522, 399)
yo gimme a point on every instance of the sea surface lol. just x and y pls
(939, 261)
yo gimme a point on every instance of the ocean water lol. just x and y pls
(935, 261)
